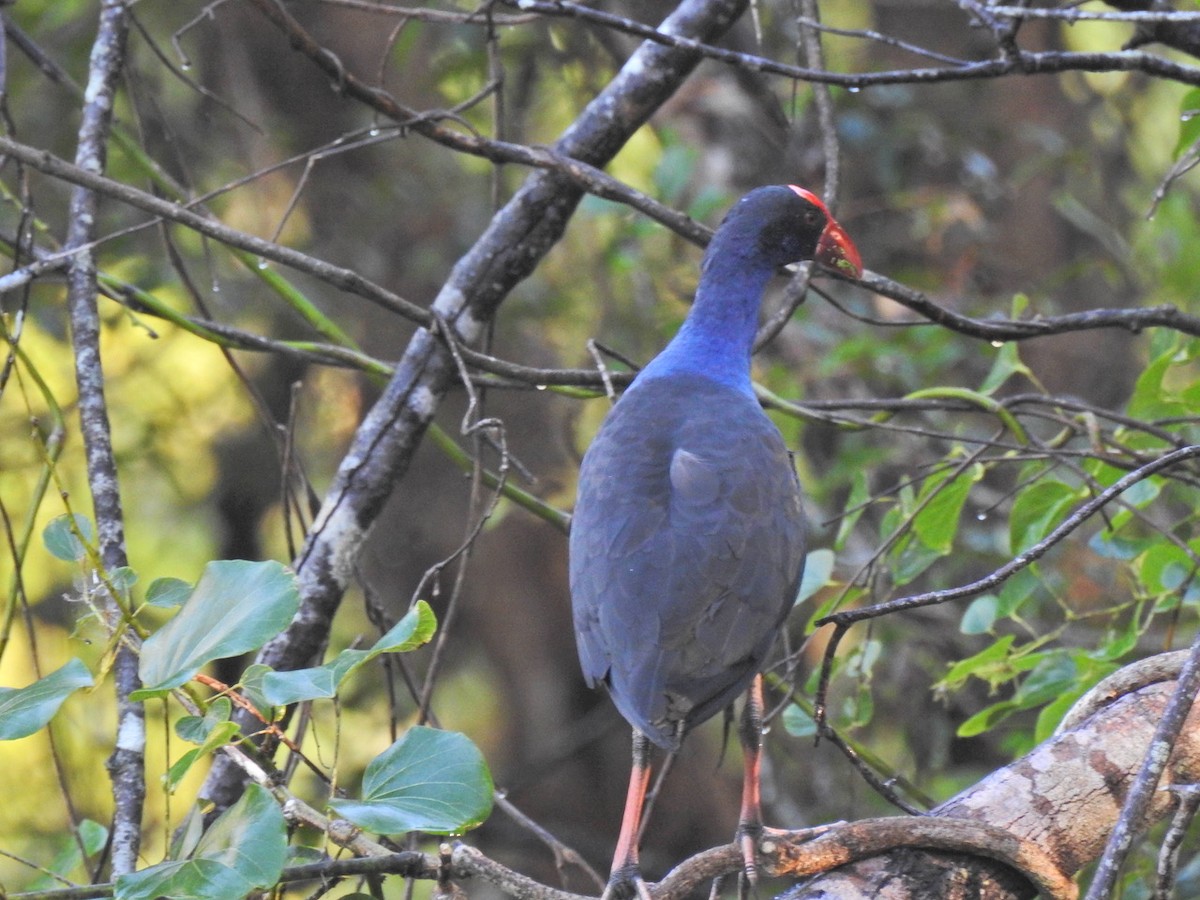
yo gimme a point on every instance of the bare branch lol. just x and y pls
(1016, 62)
(126, 763)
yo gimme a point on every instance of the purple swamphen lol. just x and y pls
(687, 541)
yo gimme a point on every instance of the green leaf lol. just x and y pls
(673, 174)
(910, 559)
(243, 851)
(1119, 641)
(429, 780)
(937, 523)
(849, 597)
(818, 568)
(123, 578)
(798, 722)
(1037, 509)
(1054, 674)
(414, 630)
(985, 664)
(212, 732)
(298, 685)
(195, 729)
(1016, 591)
(93, 836)
(1052, 713)
(980, 616)
(26, 710)
(856, 505)
(859, 708)
(187, 835)
(166, 593)
(1151, 397)
(178, 769)
(1189, 121)
(1165, 568)
(321, 682)
(1007, 364)
(1142, 493)
(236, 607)
(252, 687)
(986, 719)
(60, 539)
(73, 852)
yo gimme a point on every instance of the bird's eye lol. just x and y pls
(810, 216)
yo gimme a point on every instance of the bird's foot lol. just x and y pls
(747, 839)
(626, 883)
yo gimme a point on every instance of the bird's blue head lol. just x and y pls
(768, 228)
(779, 224)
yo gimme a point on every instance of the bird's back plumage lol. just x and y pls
(686, 553)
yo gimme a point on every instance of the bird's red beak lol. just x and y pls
(834, 249)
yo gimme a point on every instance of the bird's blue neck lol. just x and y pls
(717, 338)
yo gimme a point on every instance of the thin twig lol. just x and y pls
(1024, 559)
(1141, 792)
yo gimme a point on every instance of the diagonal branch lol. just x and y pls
(1027, 557)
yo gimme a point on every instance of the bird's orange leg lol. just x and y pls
(750, 821)
(626, 870)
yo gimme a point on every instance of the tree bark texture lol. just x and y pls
(1065, 797)
(126, 765)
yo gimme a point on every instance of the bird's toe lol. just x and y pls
(626, 883)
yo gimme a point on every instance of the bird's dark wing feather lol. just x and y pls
(686, 551)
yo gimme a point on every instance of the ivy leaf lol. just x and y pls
(26, 710)
(429, 780)
(236, 607)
